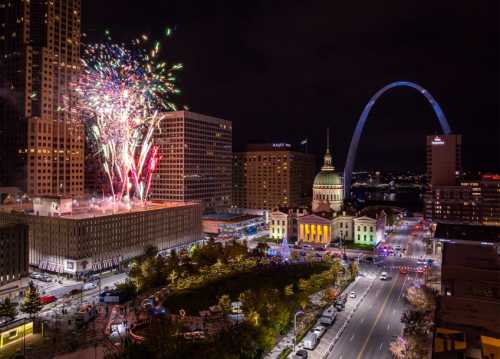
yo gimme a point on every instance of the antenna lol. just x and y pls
(328, 138)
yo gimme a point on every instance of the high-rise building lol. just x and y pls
(270, 176)
(196, 163)
(42, 147)
(444, 159)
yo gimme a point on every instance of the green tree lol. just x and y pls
(354, 269)
(8, 309)
(128, 289)
(150, 251)
(31, 304)
(225, 303)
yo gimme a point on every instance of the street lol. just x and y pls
(378, 318)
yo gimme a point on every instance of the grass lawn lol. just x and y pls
(272, 276)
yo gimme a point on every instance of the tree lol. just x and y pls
(354, 269)
(31, 304)
(150, 251)
(398, 348)
(225, 303)
(8, 309)
(421, 298)
(128, 289)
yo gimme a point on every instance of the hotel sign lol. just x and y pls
(437, 141)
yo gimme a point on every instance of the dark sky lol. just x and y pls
(286, 70)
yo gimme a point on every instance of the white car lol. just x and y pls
(352, 294)
(383, 276)
(319, 331)
(89, 286)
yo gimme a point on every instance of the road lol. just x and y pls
(377, 320)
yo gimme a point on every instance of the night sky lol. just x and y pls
(283, 71)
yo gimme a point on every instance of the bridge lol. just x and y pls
(353, 148)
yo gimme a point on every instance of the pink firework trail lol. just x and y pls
(121, 96)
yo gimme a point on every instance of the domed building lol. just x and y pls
(328, 189)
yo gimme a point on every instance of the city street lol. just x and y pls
(377, 320)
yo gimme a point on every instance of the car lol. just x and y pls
(403, 270)
(310, 341)
(319, 330)
(301, 354)
(352, 294)
(420, 270)
(89, 286)
(383, 276)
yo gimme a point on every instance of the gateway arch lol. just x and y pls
(353, 148)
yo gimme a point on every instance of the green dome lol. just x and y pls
(328, 178)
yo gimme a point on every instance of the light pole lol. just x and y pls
(300, 312)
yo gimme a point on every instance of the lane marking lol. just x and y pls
(363, 348)
(380, 346)
(352, 337)
(388, 327)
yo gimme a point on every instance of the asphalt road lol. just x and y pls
(377, 320)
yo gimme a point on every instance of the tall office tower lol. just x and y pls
(269, 176)
(196, 163)
(42, 147)
(444, 159)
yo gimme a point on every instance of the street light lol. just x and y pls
(300, 312)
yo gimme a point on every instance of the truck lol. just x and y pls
(328, 316)
(310, 341)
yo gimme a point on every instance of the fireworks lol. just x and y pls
(121, 96)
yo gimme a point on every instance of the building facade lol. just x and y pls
(42, 146)
(444, 159)
(472, 201)
(13, 259)
(93, 239)
(269, 176)
(343, 227)
(283, 223)
(315, 229)
(470, 301)
(365, 229)
(328, 188)
(196, 163)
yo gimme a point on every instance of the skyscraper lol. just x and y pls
(42, 148)
(444, 159)
(272, 175)
(196, 163)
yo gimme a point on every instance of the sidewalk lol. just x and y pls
(287, 341)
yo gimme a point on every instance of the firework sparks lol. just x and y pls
(121, 96)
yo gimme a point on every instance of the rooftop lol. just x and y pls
(84, 209)
(229, 217)
(468, 232)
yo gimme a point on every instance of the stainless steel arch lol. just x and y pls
(353, 148)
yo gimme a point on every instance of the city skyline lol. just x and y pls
(288, 65)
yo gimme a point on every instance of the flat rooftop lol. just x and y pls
(467, 232)
(86, 209)
(229, 217)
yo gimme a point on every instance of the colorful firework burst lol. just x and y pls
(121, 96)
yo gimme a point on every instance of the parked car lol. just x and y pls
(301, 354)
(383, 276)
(310, 341)
(319, 330)
(328, 316)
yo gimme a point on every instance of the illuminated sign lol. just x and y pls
(437, 141)
(282, 145)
